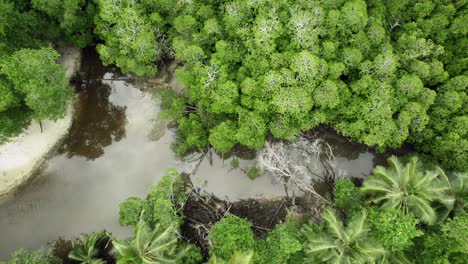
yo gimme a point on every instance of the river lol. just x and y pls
(116, 148)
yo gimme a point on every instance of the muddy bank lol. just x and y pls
(25, 154)
(115, 149)
(202, 211)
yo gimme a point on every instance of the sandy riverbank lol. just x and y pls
(23, 155)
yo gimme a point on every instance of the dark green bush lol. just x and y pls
(22, 256)
(279, 245)
(229, 235)
(161, 204)
(348, 197)
(393, 229)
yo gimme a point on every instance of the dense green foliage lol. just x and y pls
(35, 78)
(74, 18)
(233, 235)
(396, 230)
(32, 85)
(363, 230)
(23, 27)
(393, 229)
(279, 245)
(458, 183)
(348, 197)
(36, 23)
(230, 235)
(160, 206)
(236, 258)
(134, 33)
(156, 222)
(33, 257)
(446, 243)
(13, 121)
(382, 72)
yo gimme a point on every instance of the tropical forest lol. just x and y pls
(233, 131)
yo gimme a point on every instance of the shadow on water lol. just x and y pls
(116, 149)
(97, 122)
(106, 158)
(96, 125)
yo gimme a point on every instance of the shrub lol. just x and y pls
(279, 244)
(130, 210)
(22, 256)
(348, 197)
(229, 235)
(393, 229)
(445, 243)
(161, 204)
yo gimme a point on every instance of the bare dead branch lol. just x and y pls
(300, 163)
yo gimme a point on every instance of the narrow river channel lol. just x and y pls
(112, 153)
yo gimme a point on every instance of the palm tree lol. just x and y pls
(87, 250)
(149, 246)
(459, 189)
(339, 243)
(409, 188)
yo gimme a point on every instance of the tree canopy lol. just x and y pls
(380, 72)
(384, 73)
(32, 85)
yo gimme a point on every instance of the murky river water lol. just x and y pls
(112, 153)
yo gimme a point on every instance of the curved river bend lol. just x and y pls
(115, 149)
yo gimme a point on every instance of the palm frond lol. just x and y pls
(333, 222)
(150, 246)
(409, 188)
(342, 244)
(86, 251)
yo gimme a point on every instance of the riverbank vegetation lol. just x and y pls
(32, 83)
(383, 73)
(391, 218)
(257, 73)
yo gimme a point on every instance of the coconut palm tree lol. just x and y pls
(339, 243)
(409, 188)
(149, 246)
(458, 189)
(87, 250)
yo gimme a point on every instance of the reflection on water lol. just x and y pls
(107, 157)
(218, 177)
(355, 159)
(96, 125)
(97, 121)
(117, 148)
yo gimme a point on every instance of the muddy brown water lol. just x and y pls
(116, 148)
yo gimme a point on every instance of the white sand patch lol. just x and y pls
(24, 154)
(70, 60)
